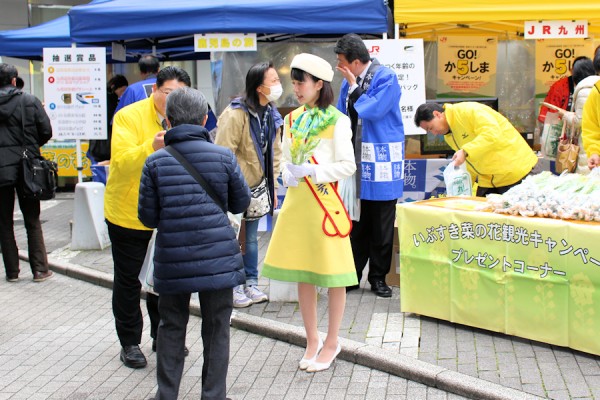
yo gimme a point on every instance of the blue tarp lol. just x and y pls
(104, 21)
(29, 42)
(135, 19)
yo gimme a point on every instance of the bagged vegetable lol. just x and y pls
(457, 180)
(553, 130)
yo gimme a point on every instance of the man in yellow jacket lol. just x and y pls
(496, 154)
(138, 131)
(590, 127)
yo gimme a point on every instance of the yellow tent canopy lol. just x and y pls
(428, 18)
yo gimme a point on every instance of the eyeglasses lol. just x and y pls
(165, 92)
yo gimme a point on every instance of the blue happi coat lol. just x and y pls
(382, 148)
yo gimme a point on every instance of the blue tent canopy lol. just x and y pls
(29, 42)
(137, 19)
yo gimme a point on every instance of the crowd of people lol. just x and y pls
(168, 175)
(188, 184)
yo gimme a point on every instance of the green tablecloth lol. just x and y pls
(531, 277)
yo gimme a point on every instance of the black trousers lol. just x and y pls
(216, 307)
(30, 208)
(129, 248)
(372, 238)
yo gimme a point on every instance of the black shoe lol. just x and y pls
(42, 276)
(186, 352)
(381, 289)
(351, 288)
(133, 357)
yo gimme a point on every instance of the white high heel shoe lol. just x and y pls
(305, 362)
(317, 366)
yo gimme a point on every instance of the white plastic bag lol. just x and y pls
(146, 276)
(458, 180)
(553, 130)
(347, 190)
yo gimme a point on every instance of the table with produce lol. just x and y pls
(525, 263)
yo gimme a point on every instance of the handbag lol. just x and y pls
(567, 152)
(38, 177)
(260, 202)
(236, 221)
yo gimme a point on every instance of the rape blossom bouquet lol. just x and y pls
(302, 147)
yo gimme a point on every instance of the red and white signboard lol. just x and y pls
(556, 29)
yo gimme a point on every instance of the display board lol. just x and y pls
(406, 58)
(65, 155)
(467, 66)
(75, 92)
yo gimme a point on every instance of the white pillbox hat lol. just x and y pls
(314, 65)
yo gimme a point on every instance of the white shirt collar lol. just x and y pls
(364, 73)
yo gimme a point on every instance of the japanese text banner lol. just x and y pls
(535, 278)
(467, 66)
(554, 60)
(406, 58)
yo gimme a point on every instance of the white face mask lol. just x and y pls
(276, 92)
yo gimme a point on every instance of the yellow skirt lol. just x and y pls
(299, 250)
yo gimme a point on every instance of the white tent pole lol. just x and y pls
(78, 150)
(397, 31)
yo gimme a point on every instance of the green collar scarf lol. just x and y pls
(312, 121)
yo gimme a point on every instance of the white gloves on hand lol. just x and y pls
(300, 171)
(288, 178)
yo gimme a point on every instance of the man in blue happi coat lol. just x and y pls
(370, 96)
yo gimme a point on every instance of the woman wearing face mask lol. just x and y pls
(250, 127)
(310, 244)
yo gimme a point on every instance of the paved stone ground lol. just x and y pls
(533, 367)
(57, 341)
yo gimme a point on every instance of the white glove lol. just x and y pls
(300, 171)
(288, 178)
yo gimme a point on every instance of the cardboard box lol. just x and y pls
(393, 277)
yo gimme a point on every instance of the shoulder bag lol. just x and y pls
(260, 202)
(260, 198)
(236, 222)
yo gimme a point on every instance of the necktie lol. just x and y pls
(164, 124)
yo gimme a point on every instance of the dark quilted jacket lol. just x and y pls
(196, 248)
(12, 137)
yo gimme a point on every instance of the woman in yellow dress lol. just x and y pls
(310, 244)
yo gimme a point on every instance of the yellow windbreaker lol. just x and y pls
(497, 153)
(590, 126)
(134, 128)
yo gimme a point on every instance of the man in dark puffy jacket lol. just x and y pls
(23, 124)
(196, 249)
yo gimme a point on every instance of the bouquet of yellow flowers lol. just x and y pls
(302, 148)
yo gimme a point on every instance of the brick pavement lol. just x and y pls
(57, 341)
(522, 364)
